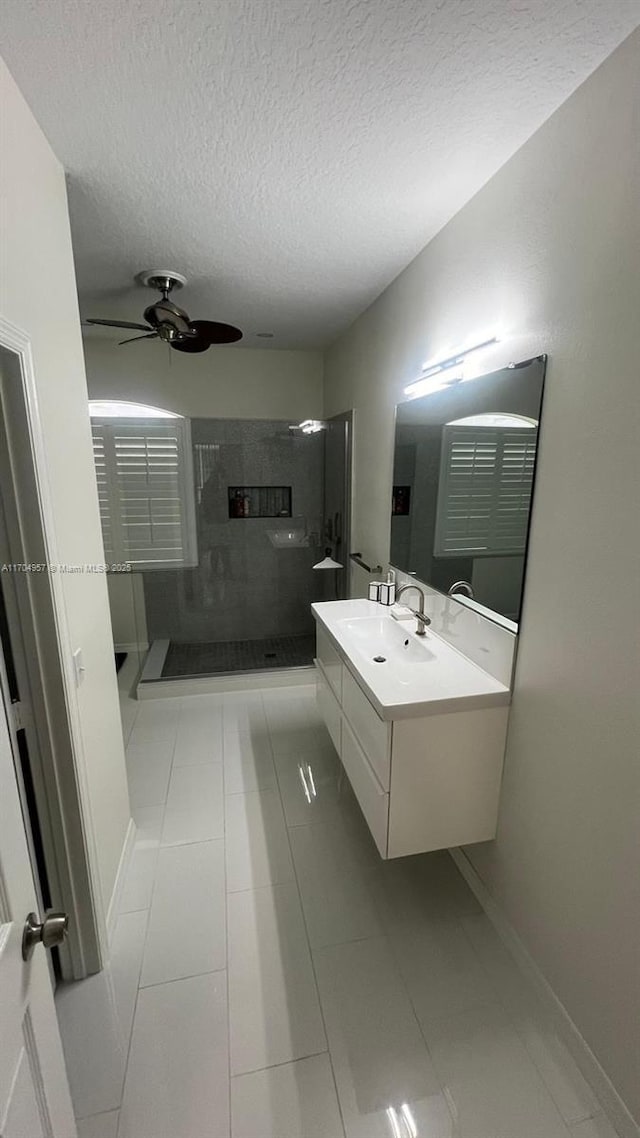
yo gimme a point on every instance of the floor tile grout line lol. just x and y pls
(202, 763)
(443, 1087)
(226, 923)
(133, 1020)
(273, 885)
(284, 1063)
(316, 822)
(144, 947)
(131, 725)
(313, 967)
(318, 948)
(529, 991)
(383, 935)
(179, 979)
(494, 1002)
(259, 888)
(153, 893)
(97, 1114)
(189, 842)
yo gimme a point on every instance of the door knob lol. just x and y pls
(50, 933)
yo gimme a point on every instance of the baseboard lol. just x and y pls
(123, 866)
(579, 1049)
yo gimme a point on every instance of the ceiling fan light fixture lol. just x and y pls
(167, 322)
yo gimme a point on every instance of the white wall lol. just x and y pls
(128, 617)
(549, 249)
(38, 294)
(223, 382)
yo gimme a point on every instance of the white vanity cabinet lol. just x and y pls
(424, 782)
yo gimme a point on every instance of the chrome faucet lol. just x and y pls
(419, 613)
(461, 587)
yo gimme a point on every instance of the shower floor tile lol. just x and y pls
(238, 656)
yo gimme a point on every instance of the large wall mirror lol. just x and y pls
(464, 467)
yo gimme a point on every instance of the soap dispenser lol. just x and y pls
(387, 594)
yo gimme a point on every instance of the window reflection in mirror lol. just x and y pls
(464, 467)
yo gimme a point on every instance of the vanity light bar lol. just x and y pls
(433, 366)
(428, 384)
(432, 370)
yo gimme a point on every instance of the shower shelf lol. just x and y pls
(259, 502)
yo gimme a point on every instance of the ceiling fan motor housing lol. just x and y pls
(164, 312)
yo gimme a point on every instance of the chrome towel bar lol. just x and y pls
(357, 558)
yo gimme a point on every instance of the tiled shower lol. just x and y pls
(266, 509)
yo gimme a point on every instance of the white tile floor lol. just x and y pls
(271, 977)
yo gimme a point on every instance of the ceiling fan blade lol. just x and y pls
(217, 333)
(207, 332)
(119, 324)
(153, 336)
(190, 343)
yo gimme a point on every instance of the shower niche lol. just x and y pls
(260, 501)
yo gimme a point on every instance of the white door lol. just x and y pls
(34, 1092)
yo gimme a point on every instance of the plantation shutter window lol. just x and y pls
(484, 490)
(104, 501)
(145, 491)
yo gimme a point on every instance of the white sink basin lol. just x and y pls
(388, 660)
(385, 641)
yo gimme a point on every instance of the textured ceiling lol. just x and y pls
(289, 156)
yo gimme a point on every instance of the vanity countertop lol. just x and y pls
(405, 675)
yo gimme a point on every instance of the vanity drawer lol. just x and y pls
(373, 734)
(373, 799)
(329, 708)
(331, 661)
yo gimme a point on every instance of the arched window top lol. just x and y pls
(494, 419)
(121, 409)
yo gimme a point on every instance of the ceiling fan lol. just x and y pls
(165, 321)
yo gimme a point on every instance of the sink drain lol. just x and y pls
(379, 659)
